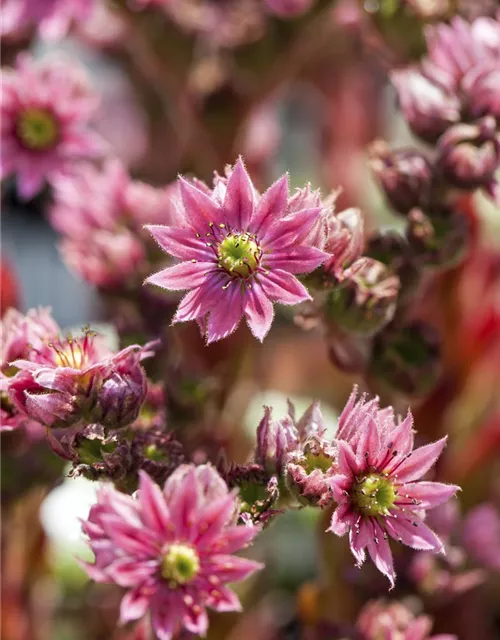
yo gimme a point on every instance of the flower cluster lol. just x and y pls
(47, 106)
(172, 549)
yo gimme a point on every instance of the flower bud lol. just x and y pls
(428, 109)
(393, 250)
(439, 239)
(482, 87)
(468, 155)
(366, 298)
(404, 174)
(275, 438)
(407, 359)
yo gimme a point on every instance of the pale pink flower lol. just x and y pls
(51, 18)
(394, 621)
(481, 535)
(240, 252)
(377, 487)
(172, 549)
(71, 381)
(20, 333)
(46, 109)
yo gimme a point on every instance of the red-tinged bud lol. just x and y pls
(404, 174)
(406, 359)
(468, 155)
(275, 438)
(429, 109)
(439, 239)
(365, 300)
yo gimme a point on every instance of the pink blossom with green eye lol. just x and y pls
(239, 253)
(377, 484)
(172, 549)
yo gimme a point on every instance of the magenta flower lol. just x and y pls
(239, 253)
(394, 621)
(69, 381)
(46, 108)
(481, 535)
(52, 18)
(21, 333)
(171, 550)
(377, 484)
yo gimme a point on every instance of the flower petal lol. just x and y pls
(185, 275)
(295, 259)
(420, 461)
(291, 230)
(428, 494)
(414, 533)
(280, 286)
(200, 209)
(129, 572)
(240, 197)
(342, 520)
(225, 317)
(258, 311)
(347, 461)
(272, 207)
(231, 568)
(155, 513)
(178, 242)
(134, 605)
(380, 552)
(200, 301)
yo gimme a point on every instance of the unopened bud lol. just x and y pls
(366, 298)
(428, 109)
(393, 250)
(468, 155)
(406, 359)
(405, 176)
(439, 239)
(275, 438)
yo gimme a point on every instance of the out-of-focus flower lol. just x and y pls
(46, 108)
(439, 239)
(481, 535)
(376, 484)
(406, 359)
(404, 174)
(428, 108)
(74, 380)
(365, 300)
(51, 18)
(171, 550)
(9, 287)
(394, 621)
(239, 253)
(108, 260)
(288, 8)
(468, 155)
(21, 333)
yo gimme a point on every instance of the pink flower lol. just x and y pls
(394, 621)
(21, 333)
(52, 17)
(171, 549)
(481, 535)
(376, 484)
(69, 381)
(239, 253)
(46, 108)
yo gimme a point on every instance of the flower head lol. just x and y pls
(239, 253)
(377, 487)
(171, 549)
(46, 108)
(72, 380)
(52, 18)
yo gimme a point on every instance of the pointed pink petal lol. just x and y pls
(295, 260)
(225, 316)
(200, 209)
(339, 484)
(358, 540)
(200, 301)
(212, 520)
(380, 553)
(414, 533)
(223, 599)
(291, 230)
(129, 573)
(280, 286)
(184, 505)
(139, 542)
(195, 620)
(369, 442)
(155, 513)
(235, 538)
(180, 243)
(428, 494)
(166, 610)
(272, 207)
(30, 182)
(231, 568)
(402, 436)
(134, 605)
(420, 461)
(342, 520)
(347, 462)
(186, 275)
(240, 196)
(258, 311)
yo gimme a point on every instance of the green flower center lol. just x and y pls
(180, 564)
(37, 129)
(374, 495)
(239, 254)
